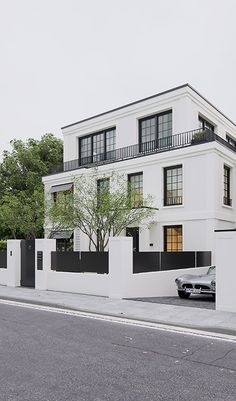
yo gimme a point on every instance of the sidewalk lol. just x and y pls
(195, 318)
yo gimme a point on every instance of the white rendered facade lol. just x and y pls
(202, 208)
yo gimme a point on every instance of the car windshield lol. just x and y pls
(211, 270)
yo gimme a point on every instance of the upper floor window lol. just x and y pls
(173, 239)
(231, 140)
(97, 147)
(136, 189)
(173, 186)
(103, 186)
(227, 200)
(155, 131)
(204, 124)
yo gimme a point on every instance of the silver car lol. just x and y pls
(203, 284)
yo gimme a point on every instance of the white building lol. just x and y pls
(177, 146)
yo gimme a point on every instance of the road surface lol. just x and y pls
(45, 356)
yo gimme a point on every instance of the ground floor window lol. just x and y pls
(173, 239)
(65, 244)
(133, 232)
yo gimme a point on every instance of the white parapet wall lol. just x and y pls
(225, 245)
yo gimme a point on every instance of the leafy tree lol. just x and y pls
(100, 207)
(21, 188)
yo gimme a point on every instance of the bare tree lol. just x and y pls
(100, 206)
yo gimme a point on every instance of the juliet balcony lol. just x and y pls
(182, 140)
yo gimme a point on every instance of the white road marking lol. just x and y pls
(123, 320)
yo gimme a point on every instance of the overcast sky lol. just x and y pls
(65, 60)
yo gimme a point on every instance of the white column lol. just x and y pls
(120, 265)
(13, 262)
(46, 246)
(225, 246)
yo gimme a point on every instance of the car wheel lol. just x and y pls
(183, 294)
(214, 296)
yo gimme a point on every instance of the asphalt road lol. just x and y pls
(46, 356)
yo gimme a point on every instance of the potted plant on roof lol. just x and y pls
(199, 136)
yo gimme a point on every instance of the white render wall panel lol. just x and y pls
(225, 271)
(13, 263)
(202, 194)
(3, 276)
(80, 283)
(202, 210)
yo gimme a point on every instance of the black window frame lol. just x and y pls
(230, 140)
(157, 142)
(227, 201)
(106, 155)
(132, 201)
(178, 200)
(205, 124)
(102, 180)
(172, 227)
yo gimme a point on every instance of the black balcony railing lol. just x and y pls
(189, 138)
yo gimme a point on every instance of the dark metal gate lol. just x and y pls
(28, 263)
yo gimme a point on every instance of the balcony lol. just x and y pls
(185, 139)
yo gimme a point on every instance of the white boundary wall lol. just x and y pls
(3, 276)
(81, 283)
(119, 283)
(125, 284)
(225, 271)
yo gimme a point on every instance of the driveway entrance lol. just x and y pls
(195, 301)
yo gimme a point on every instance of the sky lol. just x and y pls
(65, 60)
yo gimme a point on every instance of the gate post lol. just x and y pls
(225, 245)
(43, 249)
(120, 265)
(13, 262)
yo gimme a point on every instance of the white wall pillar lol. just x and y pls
(120, 265)
(46, 246)
(225, 246)
(13, 262)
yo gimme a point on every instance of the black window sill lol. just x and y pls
(227, 202)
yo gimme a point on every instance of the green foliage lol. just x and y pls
(199, 136)
(21, 188)
(3, 245)
(98, 213)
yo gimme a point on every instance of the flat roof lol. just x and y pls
(148, 98)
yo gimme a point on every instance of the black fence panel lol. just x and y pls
(95, 262)
(3, 259)
(146, 262)
(177, 260)
(66, 261)
(203, 258)
(78, 262)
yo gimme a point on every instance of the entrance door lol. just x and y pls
(133, 232)
(28, 263)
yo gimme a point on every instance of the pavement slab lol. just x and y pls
(175, 315)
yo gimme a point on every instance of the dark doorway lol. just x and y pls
(28, 263)
(133, 232)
